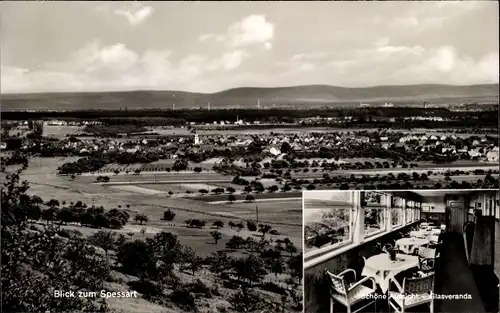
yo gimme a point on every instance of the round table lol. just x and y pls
(408, 245)
(382, 269)
(422, 233)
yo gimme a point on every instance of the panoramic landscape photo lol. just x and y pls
(154, 155)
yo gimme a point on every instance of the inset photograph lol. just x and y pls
(401, 251)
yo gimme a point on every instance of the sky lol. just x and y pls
(214, 46)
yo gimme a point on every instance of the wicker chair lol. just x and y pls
(414, 292)
(350, 295)
(427, 258)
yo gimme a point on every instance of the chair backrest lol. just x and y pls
(419, 285)
(433, 238)
(427, 253)
(337, 283)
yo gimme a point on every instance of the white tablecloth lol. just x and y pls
(407, 245)
(382, 269)
(422, 233)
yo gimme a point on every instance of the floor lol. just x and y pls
(454, 277)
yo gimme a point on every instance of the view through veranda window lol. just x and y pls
(409, 212)
(328, 222)
(374, 204)
(397, 211)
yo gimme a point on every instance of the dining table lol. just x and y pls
(381, 268)
(409, 244)
(424, 233)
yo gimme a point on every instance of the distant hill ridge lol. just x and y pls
(245, 97)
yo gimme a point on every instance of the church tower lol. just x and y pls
(196, 138)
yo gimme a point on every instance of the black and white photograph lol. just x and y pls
(401, 251)
(154, 155)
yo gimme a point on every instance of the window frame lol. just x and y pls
(323, 250)
(382, 206)
(357, 234)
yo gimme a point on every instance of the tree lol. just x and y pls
(52, 203)
(218, 190)
(247, 189)
(273, 188)
(216, 236)
(244, 300)
(50, 214)
(166, 248)
(264, 229)
(197, 169)
(137, 258)
(190, 260)
(285, 147)
(231, 198)
(236, 242)
(34, 261)
(220, 263)
(230, 189)
(295, 264)
(251, 226)
(65, 215)
(180, 165)
(141, 218)
(168, 215)
(291, 248)
(239, 227)
(218, 224)
(117, 218)
(104, 240)
(277, 267)
(250, 198)
(197, 223)
(250, 268)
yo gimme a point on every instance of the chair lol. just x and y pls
(433, 238)
(427, 259)
(414, 292)
(349, 295)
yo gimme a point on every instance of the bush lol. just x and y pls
(251, 226)
(197, 223)
(168, 215)
(273, 287)
(184, 300)
(146, 287)
(198, 287)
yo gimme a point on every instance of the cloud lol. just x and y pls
(116, 67)
(385, 65)
(253, 29)
(134, 13)
(250, 31)
(302, 62)
(382, 42)
(428, 15)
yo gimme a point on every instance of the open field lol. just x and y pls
(395, 171)
(257, 196)
(151, 178)
(47, 185)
